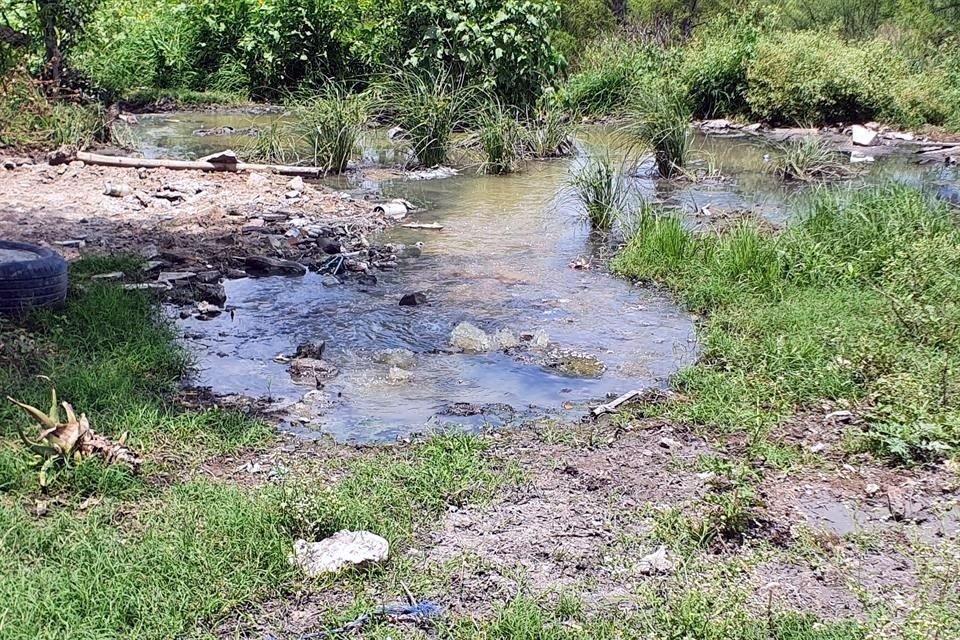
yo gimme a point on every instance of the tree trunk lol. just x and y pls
(53, 57)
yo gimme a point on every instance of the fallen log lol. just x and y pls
(937, 147)
(195, 165)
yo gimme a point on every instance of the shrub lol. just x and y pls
(715, 67)
(807, 77)
(30, 120)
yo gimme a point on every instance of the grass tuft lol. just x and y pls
(659, 117)
(809, 159)
(604, 192)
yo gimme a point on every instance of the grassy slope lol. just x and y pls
(857, 305)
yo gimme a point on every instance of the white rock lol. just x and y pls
(856, 158)
(505, 339)
(296, 184)
(175, 276)
(540, 339)
(339, 551)
(871, 488)
(862, 136)
(470, 338)
(116, 190)
(656, 562)
(257, 180)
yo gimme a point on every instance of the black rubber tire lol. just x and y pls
(33, 281)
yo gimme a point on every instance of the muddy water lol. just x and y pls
(501, 262)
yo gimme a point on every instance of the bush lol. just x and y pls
(715, 67)
(30, 120)
(808, 77)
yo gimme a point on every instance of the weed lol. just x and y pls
(31, 120)
(501, 139)
(548, 132)
(808, 159)
(604, 192)
(331, 123)
(660, 119)
(277, 144)
(429, 108)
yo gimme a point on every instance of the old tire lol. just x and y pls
(31, 277)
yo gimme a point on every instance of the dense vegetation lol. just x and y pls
(798, 62)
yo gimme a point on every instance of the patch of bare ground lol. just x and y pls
(565, 529)
(192, 220)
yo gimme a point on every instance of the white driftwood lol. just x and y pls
(197, 165)
(612, 406)
(433, 226)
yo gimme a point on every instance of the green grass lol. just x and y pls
(809, 159)
(854, 304)
(659, 118)
(331, 123)
(501, 139)
(30, 120)
(603, 192)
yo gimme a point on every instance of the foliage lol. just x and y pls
(808, 159)
(808, 77)
(31, 120)
(502, 45)
(660, 119)
(828, 310)
(429, 107)
(331, 123)
(501, 139)
(603, 191)
(715, 66)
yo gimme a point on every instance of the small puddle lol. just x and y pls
(501, 262)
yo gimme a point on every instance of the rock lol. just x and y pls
(330, 281)
(861, 136)
(395, 132)
(63, 155)
(264, 265)
(211, 293)
(396, 358)
(898, 135)
(536, 340)
(311, 349)
(505, 339)
(209, 277)
(9, 164)
(292, 195)
(414, 299)
(257, 180)
(470, 339)
(329, 246)
(753, 128)
(367, 279)
(113, 190)
(396, 375)
(311, 371)
(669, 443)
(175, 276)
(720, 124)
(871, 488)
(858, 158)
(656, 563)
(341, 550)
(296, 184)
(575, 364)
(818, 447)
(235, 274)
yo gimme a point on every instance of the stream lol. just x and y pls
(514, 255)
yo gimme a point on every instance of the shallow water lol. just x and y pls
(502, 261)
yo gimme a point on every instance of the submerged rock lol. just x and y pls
(470, 339)
(400, 358)
(311, 371)
(414, 299)
(574, 364)
(341, 550)
(267, 266)
(396, 375)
